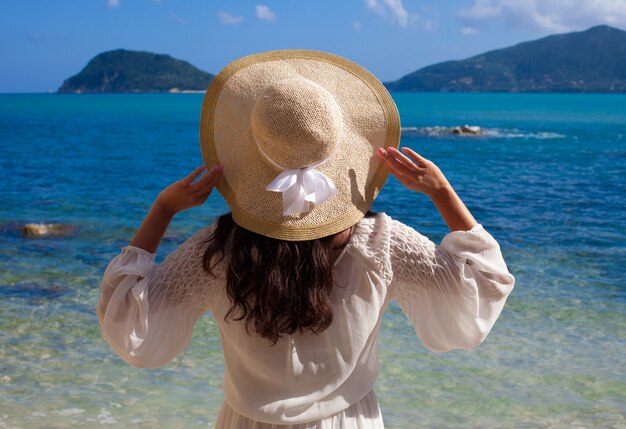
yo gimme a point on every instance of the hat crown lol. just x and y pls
(296, 123)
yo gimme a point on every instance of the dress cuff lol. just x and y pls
(139, 250)
(130, 261)
(476, 239)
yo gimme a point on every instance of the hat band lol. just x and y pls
(300, 186)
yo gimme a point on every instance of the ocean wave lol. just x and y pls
(473, 131)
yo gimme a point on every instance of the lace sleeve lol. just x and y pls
(182, 278)
(452, 293)
(147, 311)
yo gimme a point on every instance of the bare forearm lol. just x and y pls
(179, 196)
(421, 175)
(153, 228)
(452, 209)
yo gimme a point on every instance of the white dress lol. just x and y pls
(452, 293)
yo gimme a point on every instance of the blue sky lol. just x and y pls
(45, 41)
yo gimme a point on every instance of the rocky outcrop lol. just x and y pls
(463, 130)
(38, 230)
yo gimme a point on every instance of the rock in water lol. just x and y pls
(466, 130)
(35, 230)
(33, 290)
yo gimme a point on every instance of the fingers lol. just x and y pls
(192, 176)
(403, 160)
(419, 159)
(215, 170)
(208, 180)
(397, 162)
(385, 156)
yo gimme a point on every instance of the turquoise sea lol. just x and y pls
(547, 178)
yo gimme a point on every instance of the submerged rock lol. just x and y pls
(472, 130)
(34, 230)
(32, 290)
(440, 131)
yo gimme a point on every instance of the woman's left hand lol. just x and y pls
(185, 194)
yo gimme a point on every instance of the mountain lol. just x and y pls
(588, 61)
(134, 71)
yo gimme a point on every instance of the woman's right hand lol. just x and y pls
(184, 194)
(414, 171)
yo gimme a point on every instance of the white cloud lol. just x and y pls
(113, 3)
(398, 11)
(264, 13)
(393, 7)
(425, 24)
(375, 6)
(548, 15)
(229, 19)
(468, 31)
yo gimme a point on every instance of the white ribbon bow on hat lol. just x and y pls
(301, 186)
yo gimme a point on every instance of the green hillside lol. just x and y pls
(589, 61)
(133, 71)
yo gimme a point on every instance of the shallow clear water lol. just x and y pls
(547, 179)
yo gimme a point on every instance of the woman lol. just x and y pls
(299, 274)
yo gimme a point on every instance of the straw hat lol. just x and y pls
(297, 133)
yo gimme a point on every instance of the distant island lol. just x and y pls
(135, 71)
(588, 61)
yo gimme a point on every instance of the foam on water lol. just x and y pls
(485, 133)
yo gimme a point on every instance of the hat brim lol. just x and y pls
(371, 121)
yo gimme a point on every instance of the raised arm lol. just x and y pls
(179, 196)
(453, 292)
(421, 175)
(145, 312)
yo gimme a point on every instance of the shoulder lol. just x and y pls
(200, 237)
(401, 235)
(182, 272)
(388, 240)
(382, 230)
(372, 230)
(370, 239)
(193, 247)
(382, 241)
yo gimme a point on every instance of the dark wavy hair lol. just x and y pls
(278, 287)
